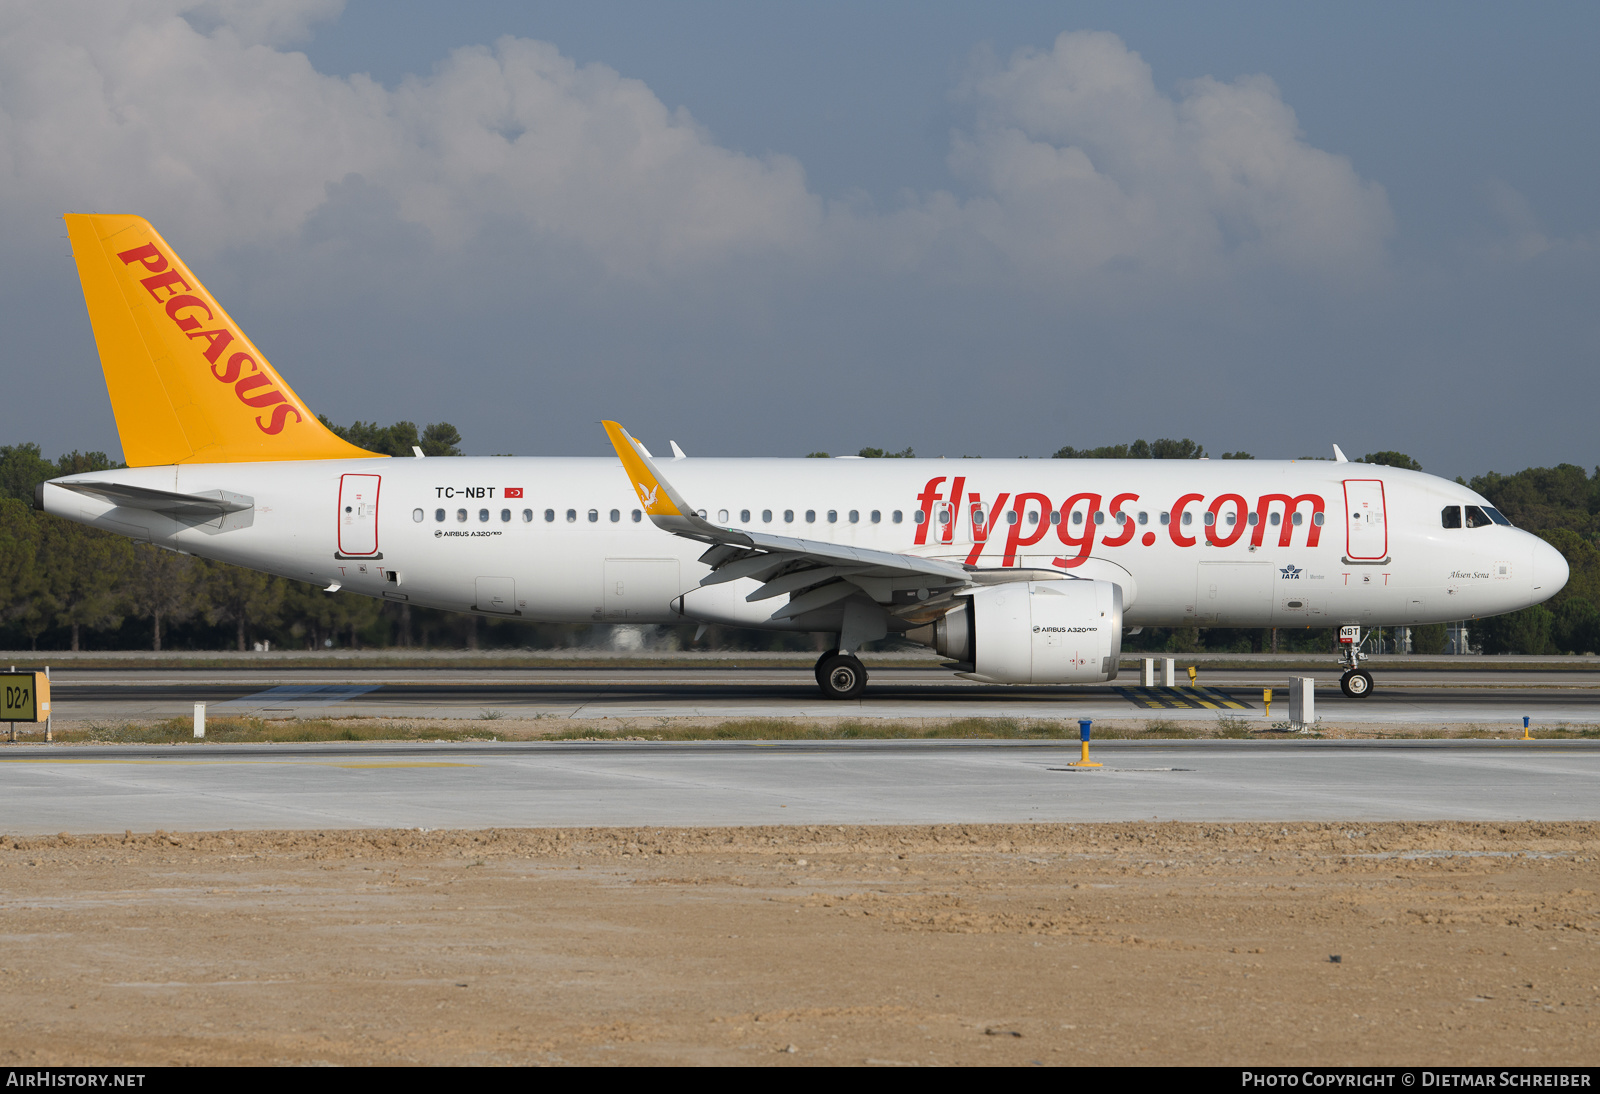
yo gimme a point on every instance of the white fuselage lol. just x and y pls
(444, 533)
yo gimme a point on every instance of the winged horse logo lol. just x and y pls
(648, 495)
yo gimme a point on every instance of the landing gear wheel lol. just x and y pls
(823, 660)
(1357, 684)
(841, 676)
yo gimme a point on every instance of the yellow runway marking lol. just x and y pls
(1181, 699)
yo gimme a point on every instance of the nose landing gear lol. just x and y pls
(1356, 682)
(841, 675)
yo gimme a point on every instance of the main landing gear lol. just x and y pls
(1356, 681)
(841, 675)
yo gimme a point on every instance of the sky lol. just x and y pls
(769, 229)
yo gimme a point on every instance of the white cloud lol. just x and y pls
(1076, 163)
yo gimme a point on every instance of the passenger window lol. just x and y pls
(766, 516)
(722, 516)
(483, 515)
(896, 517)
(1274, 519)
(1211, 519)
(1477, 518)
(416, 515)
(1011, 516)
(505, 515)
(701, 513)
(1166, 518)
(1077, 517)
(1099, 518)
(1033, 517)
(788, 516)
(461, 516)
(616, 515)
(977, 516)
(944, 514)
(1144, 518)
(833, 516)
(572, 516)
(1252, 520)
(744, 516)
(1298, 519)
(1188, 519)
(1055, 516)
(527, 516)
(549, 515)
(877, 517)
(855, 516)
(637, 516)
(1122, 518)
(811, 516)
(438, 515)
(1232, 519)
(594, 516)
(1317, 520)
(919, 517)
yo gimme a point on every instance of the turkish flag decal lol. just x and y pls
(513, 492)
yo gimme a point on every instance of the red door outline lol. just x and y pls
(1383, 509)
(354, 527)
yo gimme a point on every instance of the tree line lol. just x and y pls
(64, 585)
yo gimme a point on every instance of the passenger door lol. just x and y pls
(358, 516)
(1366, 522)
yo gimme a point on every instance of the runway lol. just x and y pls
(47, 790)
(1402, 696)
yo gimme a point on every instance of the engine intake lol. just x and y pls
(1039, 632)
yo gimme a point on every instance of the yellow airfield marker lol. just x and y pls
(1526, 734)
(1193, 673)
(1083, 733)
(1266, 699)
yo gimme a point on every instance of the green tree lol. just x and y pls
(21, 583)
(1165, 448)
(1542, 498)
(164, 586)
(85, 574)
(438, 439)
(22, 468)
(1391, 459)
(232, 594)
(1237, 456)
(1430, 638)
(881, 454)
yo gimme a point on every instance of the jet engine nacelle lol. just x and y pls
(1039, 632)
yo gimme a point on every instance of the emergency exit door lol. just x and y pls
(358, 516)
(1366, 524)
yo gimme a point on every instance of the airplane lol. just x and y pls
(1016, 571)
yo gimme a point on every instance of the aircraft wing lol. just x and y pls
(814, 573)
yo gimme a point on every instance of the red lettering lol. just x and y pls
(250, 383)
(929, 495)
(230, 371)
(1127, 526)
(1290, 507)
(280, 416)
(1239, 509)
(186, 322)
(163, 281)
(980, 528)
(153, 260)
(1085, 542)
(947, 534)
(216, 341)
(1015, 537)
(1177, 520)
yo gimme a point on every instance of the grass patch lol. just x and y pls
(1232, 727)
(176, 731)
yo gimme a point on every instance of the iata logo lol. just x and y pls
(190, 313)
(1291, 572)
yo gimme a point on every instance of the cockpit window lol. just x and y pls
(1450, 516)
(1497, 516)
(1477, 518)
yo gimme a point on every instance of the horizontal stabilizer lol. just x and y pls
(204, 506)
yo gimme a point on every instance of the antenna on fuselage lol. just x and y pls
(1338, 456)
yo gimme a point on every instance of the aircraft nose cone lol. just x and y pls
(1550, 571)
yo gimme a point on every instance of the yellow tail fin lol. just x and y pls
(186, 385)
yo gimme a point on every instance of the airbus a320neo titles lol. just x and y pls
(1017, 571)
